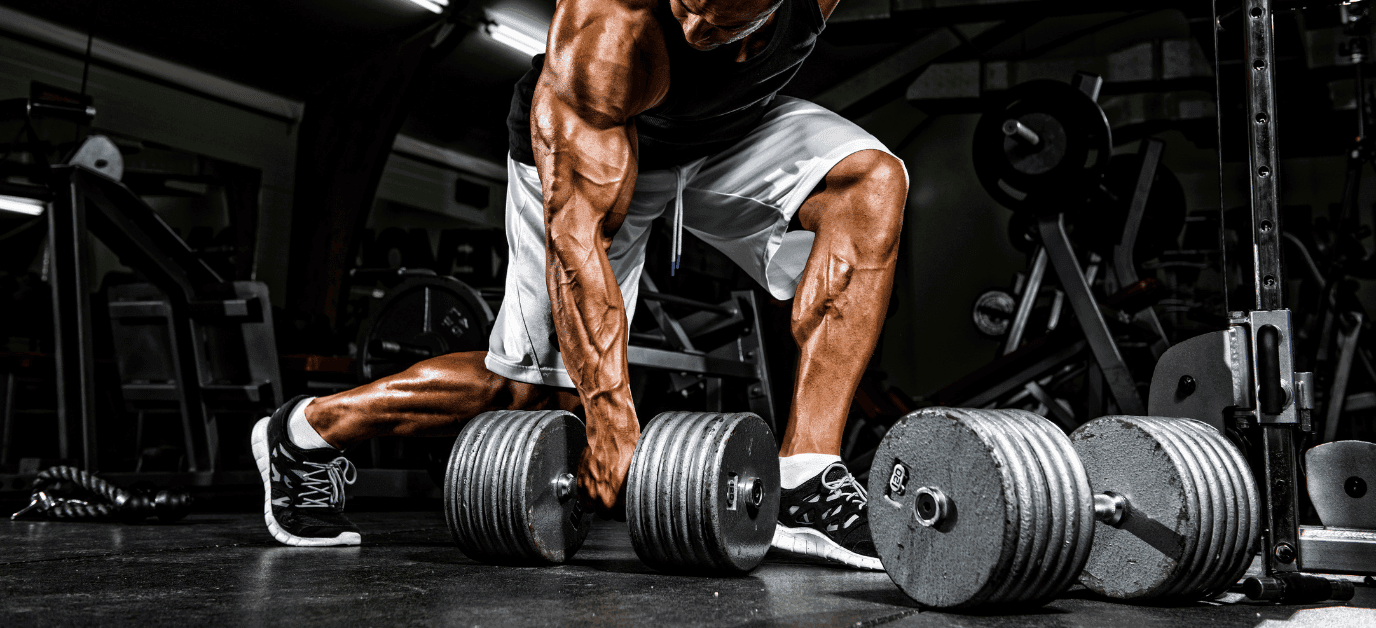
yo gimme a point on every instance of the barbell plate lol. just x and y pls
(1076, 143)
(502, 501)
(1139, 557)
(688, 500)
(1213, 510)
(1034, 521)
(958, 561)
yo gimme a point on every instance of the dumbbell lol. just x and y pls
(998, 507)
(702, 494)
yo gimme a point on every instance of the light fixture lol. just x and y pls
(30, 206)
(433, 6)
(515, 38)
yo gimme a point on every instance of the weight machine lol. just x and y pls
(1243, 378)
(1044, 152)
(190, 341)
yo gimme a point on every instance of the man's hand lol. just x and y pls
(603, 468)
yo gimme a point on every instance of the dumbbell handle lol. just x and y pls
(565, 486)
(1019, 131)
(931, 506)
(1110, 508)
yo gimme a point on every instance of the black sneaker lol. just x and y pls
(827, 517)
(303, 499)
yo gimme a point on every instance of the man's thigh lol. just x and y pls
(741, 200)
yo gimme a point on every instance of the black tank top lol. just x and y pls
(713, 100)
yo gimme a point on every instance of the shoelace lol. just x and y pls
(326, 483)
(846, 486)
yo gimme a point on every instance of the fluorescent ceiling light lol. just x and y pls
(434, 6)
(516, 39)
(30, 206)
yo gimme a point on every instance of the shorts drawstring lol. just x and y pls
(676, 247)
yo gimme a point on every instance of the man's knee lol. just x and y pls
(877, 184)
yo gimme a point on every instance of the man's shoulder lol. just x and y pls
(631, 11)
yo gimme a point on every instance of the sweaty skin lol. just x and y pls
(606, 63)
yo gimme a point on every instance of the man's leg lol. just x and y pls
(432, 398)
(838, 310)
(297, 449)
(856, 214)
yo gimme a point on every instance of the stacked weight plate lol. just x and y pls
(1193, 517)
(509, 495)
(1017, 515)
(703, 492)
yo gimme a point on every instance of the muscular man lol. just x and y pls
(643, 108)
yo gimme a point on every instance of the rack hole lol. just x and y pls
(1266, 226)
(1259, 64)
(1263, 172)
(1261, 118)
(1257, 12)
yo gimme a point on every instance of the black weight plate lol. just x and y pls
(1099, 221)
(421, 318)
(1076, 142)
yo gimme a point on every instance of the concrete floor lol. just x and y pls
(217, 570)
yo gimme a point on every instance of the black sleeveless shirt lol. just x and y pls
(713, 100)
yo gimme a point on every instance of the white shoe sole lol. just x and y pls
(809, 542)
(261, 456)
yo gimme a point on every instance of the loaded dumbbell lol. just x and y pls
(986, 507)
(702, 494)
(510, 494)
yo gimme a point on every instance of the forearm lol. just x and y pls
(590, 320)
(588, 174)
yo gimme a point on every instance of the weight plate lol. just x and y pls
(509, 495)
(423, 317)
(1034, 525)
(993, 313)
(1141, 555)
(1210, 509)
(1072, 506)
(1074, 142)
(1236, 518)
(1051, 524)
(957, 560)
(1239, 558)
(1099, 222)
(1080, 507)
(703, 492)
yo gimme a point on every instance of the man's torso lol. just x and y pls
(713, 98)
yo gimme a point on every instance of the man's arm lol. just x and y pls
(601, 69)
(827, 7)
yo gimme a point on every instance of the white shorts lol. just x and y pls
(740, 201)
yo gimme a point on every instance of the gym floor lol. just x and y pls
(222, 569)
